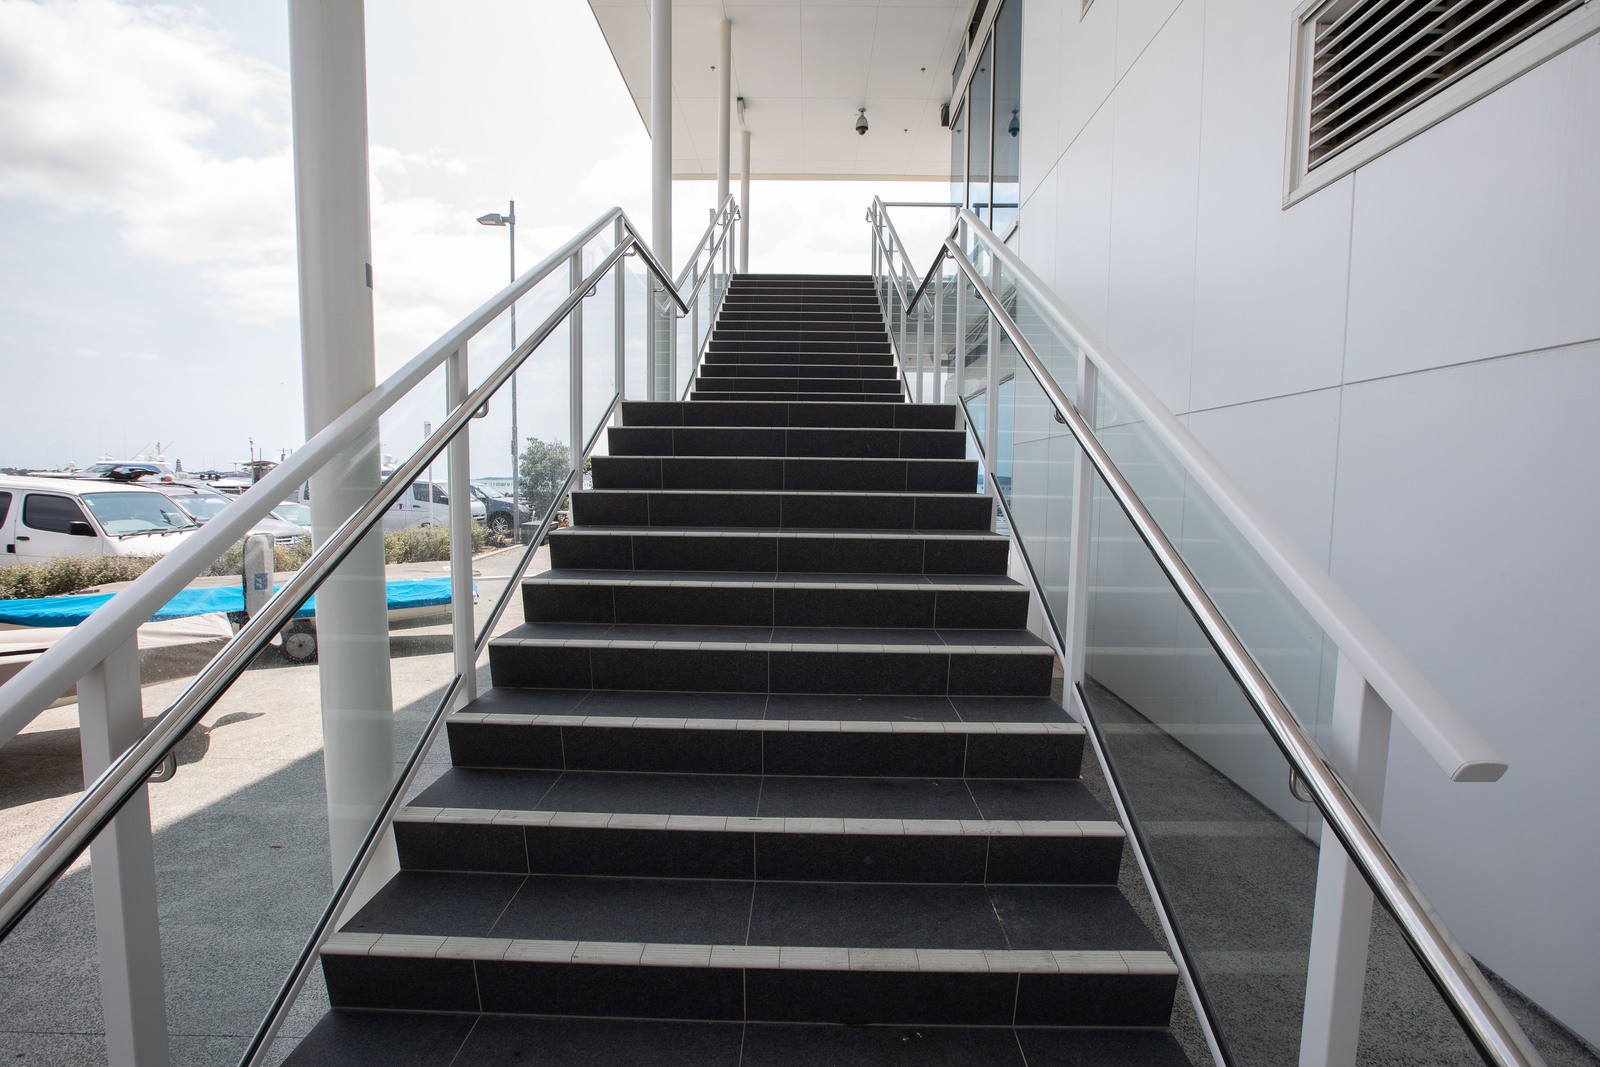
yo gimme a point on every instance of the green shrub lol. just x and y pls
(68, 574)
(426, 544)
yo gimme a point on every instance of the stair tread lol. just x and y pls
(778, 531)
(758, 824)
(973, 583)
(565, 908)
(770, 637)
(425, 1039)
(778, 705)
(766, 796)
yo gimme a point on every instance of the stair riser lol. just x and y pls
(701, 606)
(819, 344)
(805, 996)
(728, 670)
(797, 359)
(796, 475)
(744, 371)
(943, 859)
(741, 316)
(576, 550)
(791, 414)
(783, 511)
(779, 442)
(754, 383)
(819, 336)
(745, 396)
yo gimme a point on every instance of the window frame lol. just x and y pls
(1300, 182)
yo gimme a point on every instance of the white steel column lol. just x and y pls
(938, 335)
(1342, 920)
(463, 618)
(661, 188)
(744, 201)
(724, 110)
(122, 870)
(328, 80)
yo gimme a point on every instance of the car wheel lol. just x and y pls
(300, 644)
(500, 523)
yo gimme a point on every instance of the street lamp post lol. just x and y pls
(509, 220)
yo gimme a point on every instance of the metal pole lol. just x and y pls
(122, 871)
(575, 365)
(459, 467)
(619, 316)
(744, 201)
(724, 109)
(938, 335)
(516, 442)
(1075, 636)
(327, 61)
(661, 187)
(961, 319)
(991, 405)
(1341, 921)
(922, 314)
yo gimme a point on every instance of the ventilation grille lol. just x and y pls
(1374, 59)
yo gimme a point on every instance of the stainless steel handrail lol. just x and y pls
(1488, 1024)
(24, 696)
(700, 354)
(255, 1052)
(38, 869)
(1460, 751)
(727, 211)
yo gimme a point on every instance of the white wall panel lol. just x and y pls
(1041, 36)
(1155, 163)
(1138, 22)
(1283, 451)
(1269, 283)
(1038, 232)
(1481, 237)
(1086, 69)
(1464, 525)
(1083, 223)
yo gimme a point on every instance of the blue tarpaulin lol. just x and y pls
(71, 610)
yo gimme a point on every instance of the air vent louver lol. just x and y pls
(1374, 59)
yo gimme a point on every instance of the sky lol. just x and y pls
(147, 253)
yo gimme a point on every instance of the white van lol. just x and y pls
(420, 508)
(41, 518)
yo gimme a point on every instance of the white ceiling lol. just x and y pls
(803, 67)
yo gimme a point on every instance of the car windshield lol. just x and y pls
(134, 513)
(202, 506)
(298, 514)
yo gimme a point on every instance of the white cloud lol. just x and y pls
(124, 110)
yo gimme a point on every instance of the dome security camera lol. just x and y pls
(861, 123)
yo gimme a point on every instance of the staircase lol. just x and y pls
(772, 750)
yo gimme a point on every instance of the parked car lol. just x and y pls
(418, 508)
(41, 518)
(499, 510)
(204, 503)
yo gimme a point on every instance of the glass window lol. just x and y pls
(978, 115)
(5, 505)
(133, 513)
(52, 514)
(1006, 122)
(419, 491)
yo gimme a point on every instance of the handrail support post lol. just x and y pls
(619, 322)
(991, 402)
(1342, 920)
(938, 335)
(122, 870)
(575, 367)
(459, 468)
(1077, 621)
